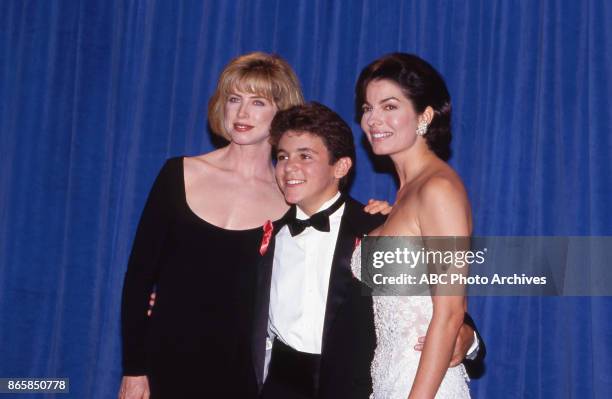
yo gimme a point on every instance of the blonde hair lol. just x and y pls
(259, 73)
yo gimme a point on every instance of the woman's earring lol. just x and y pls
(421, 129)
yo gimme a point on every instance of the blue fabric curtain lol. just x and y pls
(94, 95)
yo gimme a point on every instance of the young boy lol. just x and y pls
(310, 308)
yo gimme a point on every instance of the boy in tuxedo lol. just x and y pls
(310, 310)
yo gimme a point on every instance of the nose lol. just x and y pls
(290, 165)
(373, 118)
(242, 111)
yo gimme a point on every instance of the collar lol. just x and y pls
(300, 214)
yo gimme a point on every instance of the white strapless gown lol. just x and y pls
(399, 321)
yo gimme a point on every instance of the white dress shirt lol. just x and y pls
(300, 281)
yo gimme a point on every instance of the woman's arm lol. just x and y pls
(142, 270)
(443, 211)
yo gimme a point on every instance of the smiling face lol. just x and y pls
(247, 117)
(389, 119)
(304, 172)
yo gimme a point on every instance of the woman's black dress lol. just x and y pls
(196, 342)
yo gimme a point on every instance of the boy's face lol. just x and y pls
(304, 173)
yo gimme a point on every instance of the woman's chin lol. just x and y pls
(380, 150)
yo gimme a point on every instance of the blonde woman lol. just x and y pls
(197, 244)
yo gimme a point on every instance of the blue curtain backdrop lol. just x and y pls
(94, 95)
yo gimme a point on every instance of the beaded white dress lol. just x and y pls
(399, 321)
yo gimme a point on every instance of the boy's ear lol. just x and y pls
(342, 167)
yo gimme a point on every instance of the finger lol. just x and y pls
(379, 207)
(382, 207)
(369, 206)
(421, 339)
(419, 347)
(376, 208)
(121, 394)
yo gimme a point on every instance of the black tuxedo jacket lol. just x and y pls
(349, 338)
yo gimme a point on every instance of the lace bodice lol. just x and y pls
(399, 321)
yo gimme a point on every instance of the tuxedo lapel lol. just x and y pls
(340, 276)
(353, 225)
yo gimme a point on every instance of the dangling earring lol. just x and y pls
(421, 129)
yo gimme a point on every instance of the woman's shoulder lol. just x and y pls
(170, 171)
(207, 160)
(442, 184)
(443, 205)
(203, 166)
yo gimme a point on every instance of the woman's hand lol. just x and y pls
(134, 388)
(377, 206)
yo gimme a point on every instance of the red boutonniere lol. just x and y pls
(268, 228)
(357, 242)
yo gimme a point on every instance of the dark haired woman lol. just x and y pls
(404, 109)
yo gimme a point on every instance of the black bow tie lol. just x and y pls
(319, 220)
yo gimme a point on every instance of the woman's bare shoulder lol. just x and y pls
(443, 204)
(203, 165)
(444, 184)
(206, 160)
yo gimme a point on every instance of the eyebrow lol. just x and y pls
(383, 100)
(388, 98)
(255, 97)
(301, 149)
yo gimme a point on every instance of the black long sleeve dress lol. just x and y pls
(196, 342)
